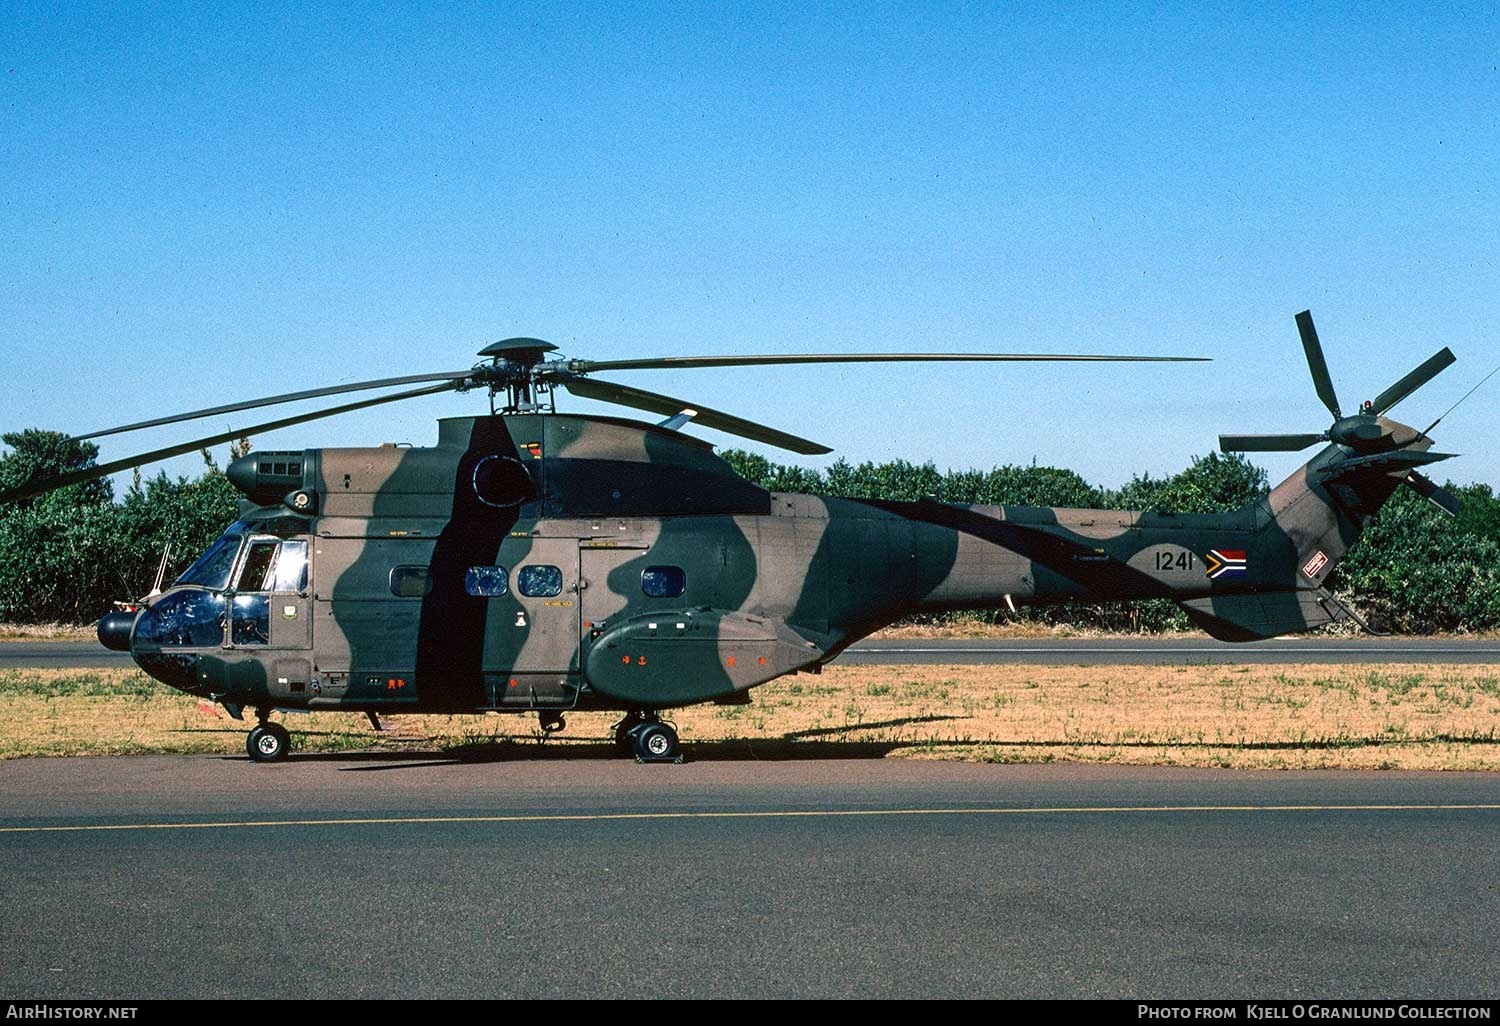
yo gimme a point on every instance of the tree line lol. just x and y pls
(66, 556)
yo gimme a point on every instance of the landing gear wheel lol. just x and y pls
(268, 742)
(654, 742)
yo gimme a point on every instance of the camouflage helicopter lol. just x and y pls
(540, 562)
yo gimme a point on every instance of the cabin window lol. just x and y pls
(410, 581)
(486, 581)
(663, 581)
(539, 581)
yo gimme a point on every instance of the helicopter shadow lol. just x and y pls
(812, 745)
(802, 745)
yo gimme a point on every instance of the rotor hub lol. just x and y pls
(1361, 432)
(514, 364)
(527, 352)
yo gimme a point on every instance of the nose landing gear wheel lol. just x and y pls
(268, 742)
(654, 742)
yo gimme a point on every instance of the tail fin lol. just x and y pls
(1312, 518)
(1318, 512)
(1308, 523)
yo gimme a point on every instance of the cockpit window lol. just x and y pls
(212, 569)
(291, 567)
(272, 565)
(252, 620)
(187, 619)
(257, 566)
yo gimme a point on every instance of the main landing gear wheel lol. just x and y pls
(268, 742)
(654, 741)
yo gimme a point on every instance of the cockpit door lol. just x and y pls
(269, 601)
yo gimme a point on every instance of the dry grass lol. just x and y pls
(1395, 716)
(46, 632)
(973, 626)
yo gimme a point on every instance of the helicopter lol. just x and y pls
(541, 562)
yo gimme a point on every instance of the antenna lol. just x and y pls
(161, 571)
(1466, 395)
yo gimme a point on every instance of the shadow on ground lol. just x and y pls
(825, 743)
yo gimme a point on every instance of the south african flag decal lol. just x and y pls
(1225, 563)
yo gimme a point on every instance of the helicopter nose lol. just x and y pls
(114, 630)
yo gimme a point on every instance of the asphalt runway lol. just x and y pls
(1046, 651)
(391, 876)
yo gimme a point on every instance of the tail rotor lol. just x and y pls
(1373, 440)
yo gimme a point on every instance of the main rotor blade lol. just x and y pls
(41, 487)
(775, 359)
(1315, 363)
(1429, 369)
(274, 400)
(1434, 493)
(1267, 443)
(655, 402)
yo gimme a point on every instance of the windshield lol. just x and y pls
(189, 619)
(212, 568)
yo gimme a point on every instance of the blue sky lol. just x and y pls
(200, 205)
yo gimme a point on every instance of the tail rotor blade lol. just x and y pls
(655, 402)
(1315, 362)
(1429, 369)
(1434, 493)
(1267, 443)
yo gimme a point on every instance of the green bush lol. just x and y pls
(68, 555)
(1417, 570)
